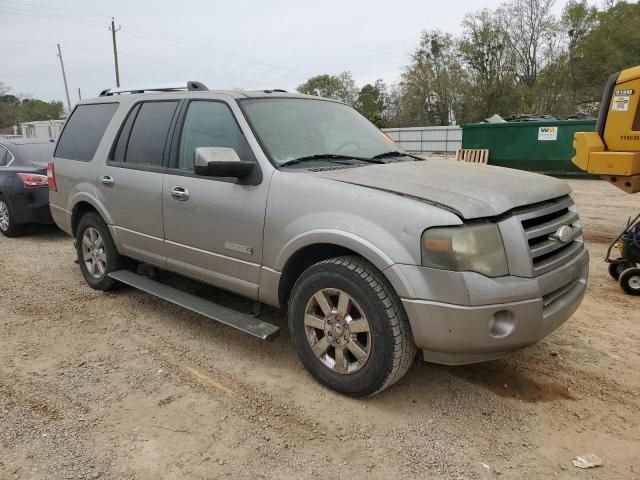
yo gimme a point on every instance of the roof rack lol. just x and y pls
(275, 90)
(189, 86)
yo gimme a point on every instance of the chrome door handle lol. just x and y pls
(180, 193)
(107, 180)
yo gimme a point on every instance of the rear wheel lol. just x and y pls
(349, 327)
(97, 254)
(8, 226)
(630, 281)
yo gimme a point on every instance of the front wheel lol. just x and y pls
(349, 327)
(97, 254)
(630, 281)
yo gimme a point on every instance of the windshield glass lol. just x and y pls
(291, 128)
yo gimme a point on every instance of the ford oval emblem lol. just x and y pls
(563, 234)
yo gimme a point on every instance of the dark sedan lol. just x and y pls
(24, 190)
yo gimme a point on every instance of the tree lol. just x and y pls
(531, 27)
(17, 109)
(487, 54)
(430, 90)
(609, 46)
(372, 102)
(338, 87)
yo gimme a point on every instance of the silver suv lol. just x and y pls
(299, 202)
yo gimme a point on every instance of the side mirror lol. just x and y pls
(220, 162)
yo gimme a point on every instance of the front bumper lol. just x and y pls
(455, 334)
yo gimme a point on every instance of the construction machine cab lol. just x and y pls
(613, 150)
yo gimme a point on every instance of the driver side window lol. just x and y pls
(209, 124)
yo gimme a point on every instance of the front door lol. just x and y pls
(213, 226)
(131, 181)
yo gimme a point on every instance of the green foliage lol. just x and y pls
(430, 90)
(611, 44)
(518, 58)
(338, 87)
(372, 103)
(15, 109)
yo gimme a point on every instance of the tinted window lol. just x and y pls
(208, 124)
(149, 133)
(84, 130)
(4, 157)
(123, 138)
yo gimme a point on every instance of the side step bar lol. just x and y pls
(233, 318)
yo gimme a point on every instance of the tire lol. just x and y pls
(630, 281)
(99, 256)
(615, 269)
(354, 358)
(8, 226)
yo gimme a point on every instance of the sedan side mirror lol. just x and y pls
(220, 162)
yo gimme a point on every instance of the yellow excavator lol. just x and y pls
(613, 152)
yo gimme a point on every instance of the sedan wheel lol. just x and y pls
(4, 216)
(338, 331)
(93, 254)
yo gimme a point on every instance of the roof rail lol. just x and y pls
(189, 86)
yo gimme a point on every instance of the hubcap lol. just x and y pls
(634, 282)
(337, 330)
(4, 216)
(93, 253)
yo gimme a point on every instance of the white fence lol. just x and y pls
(427, 139)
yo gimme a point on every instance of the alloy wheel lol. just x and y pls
(93, 254)
(4, 216)
(338, 331)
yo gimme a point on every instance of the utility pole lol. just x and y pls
(115, 48)
(64, 77)
(79, 95)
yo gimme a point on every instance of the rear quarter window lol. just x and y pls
(84, 130)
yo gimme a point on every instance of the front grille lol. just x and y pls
(541, 223)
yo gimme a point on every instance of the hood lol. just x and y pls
(470, 190)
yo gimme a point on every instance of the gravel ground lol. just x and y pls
(123, 385)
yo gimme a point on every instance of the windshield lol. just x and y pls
(292, 128)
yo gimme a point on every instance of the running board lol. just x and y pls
(233, 318)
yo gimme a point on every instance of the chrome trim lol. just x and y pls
(530, 246)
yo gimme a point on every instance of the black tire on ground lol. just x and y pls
(99, 280)
(630, 281)
(615, 269)
(392, 349)
(12, 229)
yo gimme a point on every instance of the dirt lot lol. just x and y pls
(123, 385)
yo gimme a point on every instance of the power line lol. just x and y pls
(28, 13)
(20, 3)
(155, 35)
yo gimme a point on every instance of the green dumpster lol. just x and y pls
(536, 146)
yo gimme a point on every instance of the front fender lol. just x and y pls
(340, 238)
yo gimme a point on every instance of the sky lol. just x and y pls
(224, 44)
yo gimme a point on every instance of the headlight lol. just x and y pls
(476, 248)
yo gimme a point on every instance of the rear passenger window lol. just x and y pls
(148, 134)
(84, 130)
(4, 157)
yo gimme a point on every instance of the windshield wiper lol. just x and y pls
(394, 153)
(328, 156)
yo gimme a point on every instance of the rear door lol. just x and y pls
(214, 233)
(130, 182)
